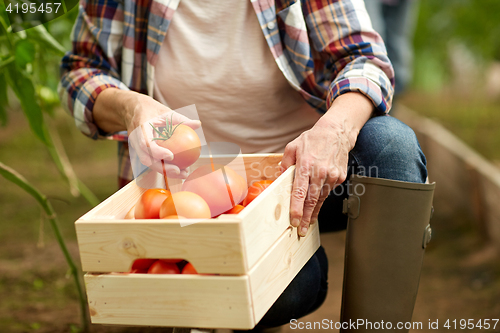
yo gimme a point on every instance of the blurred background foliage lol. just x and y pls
(448, 27)
(37, 55)
(29, 67)
(456, 70)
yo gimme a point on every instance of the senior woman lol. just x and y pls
(311, 79)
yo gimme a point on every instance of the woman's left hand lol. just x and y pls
(321, 155)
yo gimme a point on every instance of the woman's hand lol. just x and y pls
(117, 110)
(321, 155)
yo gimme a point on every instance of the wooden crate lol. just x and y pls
(256, 252)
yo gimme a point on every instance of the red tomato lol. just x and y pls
(255, 189)
(189, 269)
(187, 204)
(235, 210)
(184, 143)
(172, 261)
(148, 206)
(220, 186)
(163, 267)
(141, 265)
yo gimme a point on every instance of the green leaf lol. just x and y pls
(24, 52)
(4, 101)
(41, 36)
(25, 92)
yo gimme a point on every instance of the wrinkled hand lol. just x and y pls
(147, 112)
(320, 156)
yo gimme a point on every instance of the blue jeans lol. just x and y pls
(385, 148)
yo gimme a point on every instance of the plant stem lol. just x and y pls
(5, 28)
(74, 270)
(13, 176)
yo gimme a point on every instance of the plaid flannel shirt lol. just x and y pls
(324, 48)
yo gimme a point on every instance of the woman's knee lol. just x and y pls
(388, 148)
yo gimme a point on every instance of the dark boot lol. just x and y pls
(387, 232)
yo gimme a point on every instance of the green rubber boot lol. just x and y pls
(387, 233)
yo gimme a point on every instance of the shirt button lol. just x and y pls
(271, 25)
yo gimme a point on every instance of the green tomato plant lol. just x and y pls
(27, 61)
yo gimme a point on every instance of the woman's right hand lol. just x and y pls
(117, 110)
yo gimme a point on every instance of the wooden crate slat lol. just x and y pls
(213, 247)
(170, 300)
(110, 244)
(116, 206)
(235, 302)
(274, 272)
(267, 217)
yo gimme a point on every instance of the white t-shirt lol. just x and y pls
(215, 56)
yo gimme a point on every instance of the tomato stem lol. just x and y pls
(167, 131)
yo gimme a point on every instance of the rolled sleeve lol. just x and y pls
(366, 77)
(353, 55)
(91, 66)
(80, 102)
